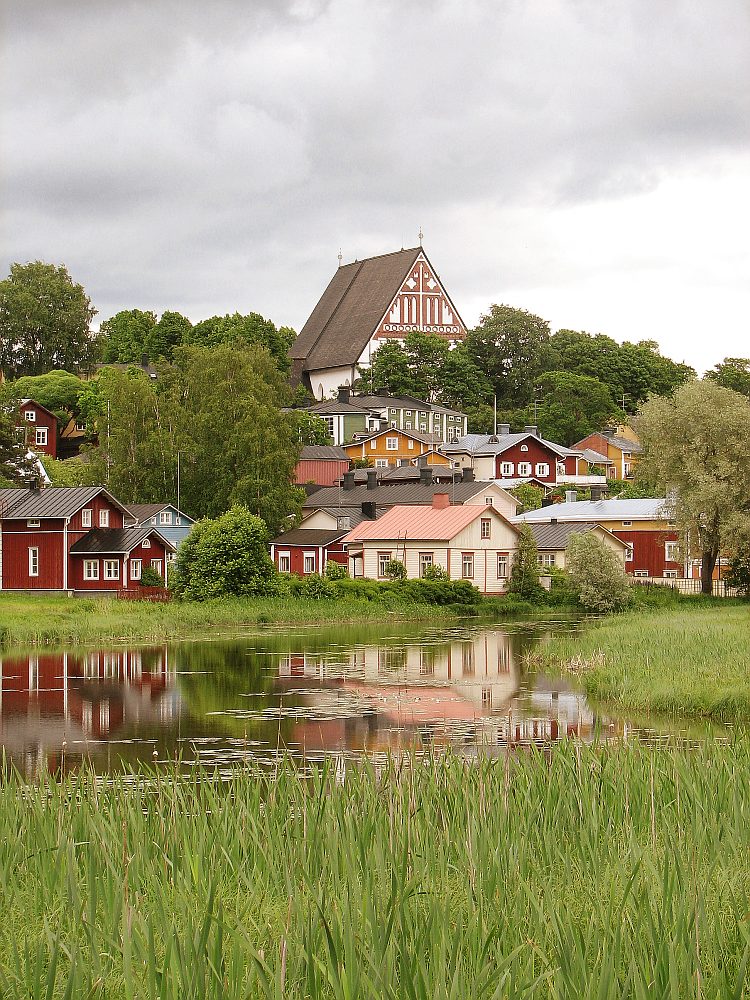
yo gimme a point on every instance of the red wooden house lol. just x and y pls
(74, 539)
(40, 427)
(321, 464)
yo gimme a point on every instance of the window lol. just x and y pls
(506, 468)
(408, 425)
(670, 574)
(425, 559)
(41, 435)
(391, 444)
(309, 562)
(524, 447)
(373, 444)
(381, 463)
(467, 565)
(90, 569)
(383, 559)
(411, 445)
(408, 413)
(135, 569)
(627, 524)
(146, 543)
(111, 569)
(670, 551)
(524, 468)
(329, 426)
(80, 427)
(156, 566)
(542, 469)
(33, 561)
(33, 524)
(502, 565)
(485, 527)
(30, 416)
(86, 517)
(546, 559)
(285, 562)
(629, 553)
(393, 409)
(165, 517)
(640, 572)
(104, 518)
(490, 501)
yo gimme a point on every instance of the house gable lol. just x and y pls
(421, 304)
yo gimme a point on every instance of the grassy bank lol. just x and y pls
(53, 620)
(592, 874)
(689, 660)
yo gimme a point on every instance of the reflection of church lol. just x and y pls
(365, 303)
(55, 706)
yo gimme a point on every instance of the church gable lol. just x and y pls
(421, 303)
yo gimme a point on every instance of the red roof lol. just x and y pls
(421, 522)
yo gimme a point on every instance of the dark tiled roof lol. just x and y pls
(392, 493)
(310, 536)
(350, 309)
(114, 541)
(322, 452)
(53, 501)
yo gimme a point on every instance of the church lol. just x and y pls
(365, 303)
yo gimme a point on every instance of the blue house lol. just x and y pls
(171, 522)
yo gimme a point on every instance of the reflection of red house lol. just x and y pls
(78, 539)
(40, 427)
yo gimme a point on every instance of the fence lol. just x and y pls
(720, 587)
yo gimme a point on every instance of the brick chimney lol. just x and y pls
(343, 394)
(441, 500)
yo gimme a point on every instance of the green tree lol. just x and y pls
(57, 390)
(14, 465)
(388, 372)
(253, 329)
(171, 331)
(124, 336)
(597, 574)
(310, 428)
(574, 406)
(395, 570)
(524, 574)
(732, 373)
(695, 452)
(225, 557)
(739, 569)
(529, 496)
(509, 346)
(44, 321)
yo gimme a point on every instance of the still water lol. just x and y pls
(307, 691)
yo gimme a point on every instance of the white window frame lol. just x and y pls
(490, 501)
(524, 447)
(111, 569)
(33, 524)
(502, 565)
(308, 563)
(33, 560)
(627, 524)
(156, 566)
(629, 553)
(425, 559)
(381, 463)
(546, 559)
(136, 568)
(542, 468)
(670, 551)
(670, 574)
(506, 468)
(524, 468)
(640, 572)
(285, 562)
(467, 565)
(165, 517)
(104, 517)
(383, 559)
(90, 569)
(86, 515)
(146, 543)
(485, 527)
(391, 444)
(29, 416)
(41, 437)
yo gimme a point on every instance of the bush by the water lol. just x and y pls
(597, 574)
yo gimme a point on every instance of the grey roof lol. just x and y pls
(331, 407)
(145, 511)
(595, 457)
(557, 536)
(624, 444)
(115, 541)
(393, 493)
(323, 453)
(52, 501)
(650, 509)
(350, 309)
(310, 536)
(354, 514)
(496, 444)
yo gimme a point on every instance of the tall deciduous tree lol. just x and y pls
(14, 465)
(574, 406)
(695, 451)
(172, 330)
(57, 390)
(252, 329)
(125, 335)
(45, 321)
(732, 373)
(509, 346)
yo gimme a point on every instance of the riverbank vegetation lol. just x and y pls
(689, 658)
(617, 873)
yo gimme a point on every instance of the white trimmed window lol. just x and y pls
(524, 447)
(670, 574)
(135, 569)
(640, 572)
(373, 444)
(670, 551)
(156, 566)
(408, 425)
(90, 569)
(524, 468)
(33, 560)
(33, 524)
(425, 559)
(546, 558)
(490, 501)
(165, 517)
(411, 445)
(542, 469)
(502, 565)
(391, 444)
(111, 569)
(629, 553)
(467, 565)
(285, 562)
(383, 559)
(381, 463)
(627, 524)
(86, 517)
(506, 468)
(41, 436)
(146, 543)
(104, 518)
(485, 527)
(309, 562)
(30, 415)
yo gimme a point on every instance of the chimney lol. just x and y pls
(144, 361)
(503, 428)
(571, 496)
(547, 502)
(553, 520)
(422, 460)
(597, 493)
(467, 474)
(531, 429)
(425, 474)
(372, 479)
(609, 431)
(369, 509)
(441, 500)
(343, 393)
(347, 480)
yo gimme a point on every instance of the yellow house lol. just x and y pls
(619, 444)
(394, 446)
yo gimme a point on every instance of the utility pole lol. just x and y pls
(178, 480)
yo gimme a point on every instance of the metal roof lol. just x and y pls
(595, 457)
(650, 509)
(393, 493)
(115, 541)
(52, 501)
(496, 444)
(145, 511)
(419, 523)
(354, 514)
(310, 536)
(557, 536)
(322, 453)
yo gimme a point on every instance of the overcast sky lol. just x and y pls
(587, 160)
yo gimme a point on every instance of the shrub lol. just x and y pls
(336, 571)
(441, 592)
(435, 572)
(524, 574)
(395, 570)
(150, 578)
(597, 575)
(315, 586)
(739, 572)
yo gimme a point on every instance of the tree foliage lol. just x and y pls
(15, 467)
(695, 452)
(573, 406)
(123, 337)
(252, 329)
(225, 557)
(44, 321)
(57, 390)
(509, 346)
(597, 574)
(732, 373)
(524, 574)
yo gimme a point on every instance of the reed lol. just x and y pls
(588, 873)
(691, 661)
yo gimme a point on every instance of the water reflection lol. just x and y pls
(311, 693)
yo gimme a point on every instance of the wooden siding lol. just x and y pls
(649, 550)
(322, 472)
(15, 558)
(335, 552)
(537, 453)
(43, 419)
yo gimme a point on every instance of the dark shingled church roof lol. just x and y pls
(350, 310)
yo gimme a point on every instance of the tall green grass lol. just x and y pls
(590, 873)
(690, 661)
